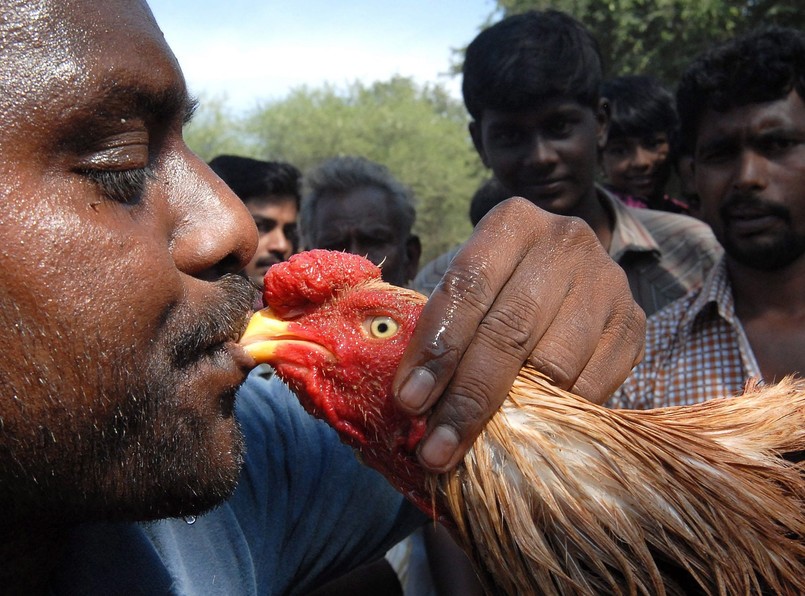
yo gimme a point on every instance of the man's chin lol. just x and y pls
(199, 475)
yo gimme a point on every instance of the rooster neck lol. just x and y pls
(403, 471)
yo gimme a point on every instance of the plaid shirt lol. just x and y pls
(664, 255)
(696, 349)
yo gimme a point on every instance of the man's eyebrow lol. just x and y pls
(163, 104)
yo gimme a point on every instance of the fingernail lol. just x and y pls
(417, 388)
(439, 447)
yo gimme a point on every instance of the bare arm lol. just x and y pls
(527, 286)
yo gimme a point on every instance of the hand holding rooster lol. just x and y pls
(530, 287)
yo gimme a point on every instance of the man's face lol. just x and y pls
(547, 154)
(362, 222)
(276, 230)
(119, 368)
(638, 166)
(750, 174)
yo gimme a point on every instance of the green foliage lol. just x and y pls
(661, 37)
(419, 133)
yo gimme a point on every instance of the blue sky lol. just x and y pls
(252, 50)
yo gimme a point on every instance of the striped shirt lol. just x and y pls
(665, 255)
(696, 350)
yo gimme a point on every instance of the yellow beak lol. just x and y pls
(266, 333)
(261, 337)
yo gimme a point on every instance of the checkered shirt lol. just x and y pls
(696, 349)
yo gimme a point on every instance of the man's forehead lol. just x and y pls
(753, 117)
(100, 51)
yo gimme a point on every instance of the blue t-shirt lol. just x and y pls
(304, 511)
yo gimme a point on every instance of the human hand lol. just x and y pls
(528, 286)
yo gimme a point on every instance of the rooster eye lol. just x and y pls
(381, 327)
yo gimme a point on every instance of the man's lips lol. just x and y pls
(642, 180)
(748, 219)
(545, 188)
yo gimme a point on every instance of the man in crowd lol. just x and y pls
(355, 205)
(270, 191)
(742, 107)
(120, 307)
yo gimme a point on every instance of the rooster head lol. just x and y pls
(335, 333)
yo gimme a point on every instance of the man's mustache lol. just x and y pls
(217, 322)
(749, 202)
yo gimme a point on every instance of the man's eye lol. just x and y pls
(264, 226)
(776, 144)
(123, 186)
(505, 138)
(561, 127)
(616, 151)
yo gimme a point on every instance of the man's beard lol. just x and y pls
(771, 253)
(129, 438)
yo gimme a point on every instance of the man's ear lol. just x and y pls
(413, 252)
(602, 118)
(478, 141)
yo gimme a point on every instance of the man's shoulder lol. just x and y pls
(680, 238)
(669, 322)
(663, 224)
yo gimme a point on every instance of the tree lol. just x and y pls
(661, 37)
(214, 130)
(418, 132)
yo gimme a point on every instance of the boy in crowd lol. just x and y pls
(641, 143)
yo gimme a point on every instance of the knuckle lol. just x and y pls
(503, 327)
(469, 284)
(558, 365)
(468, 408)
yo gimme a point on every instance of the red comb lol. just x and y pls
(313, 277)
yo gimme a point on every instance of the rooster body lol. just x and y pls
(557, 495)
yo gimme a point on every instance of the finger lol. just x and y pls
(598, 335)
(483, 377)
(504, 340)
(450, 319)
(621, 348)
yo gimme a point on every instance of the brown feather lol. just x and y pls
(560, 496)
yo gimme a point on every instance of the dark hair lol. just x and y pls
(528, 58)
(762, 65)
(252, 179)
(339, 175)
(489, 194)
(639, 106)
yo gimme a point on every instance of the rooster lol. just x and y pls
(557, 495)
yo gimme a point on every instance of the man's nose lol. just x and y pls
(751, 172)
(541, 152)
(642, 158)
(215, 233)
